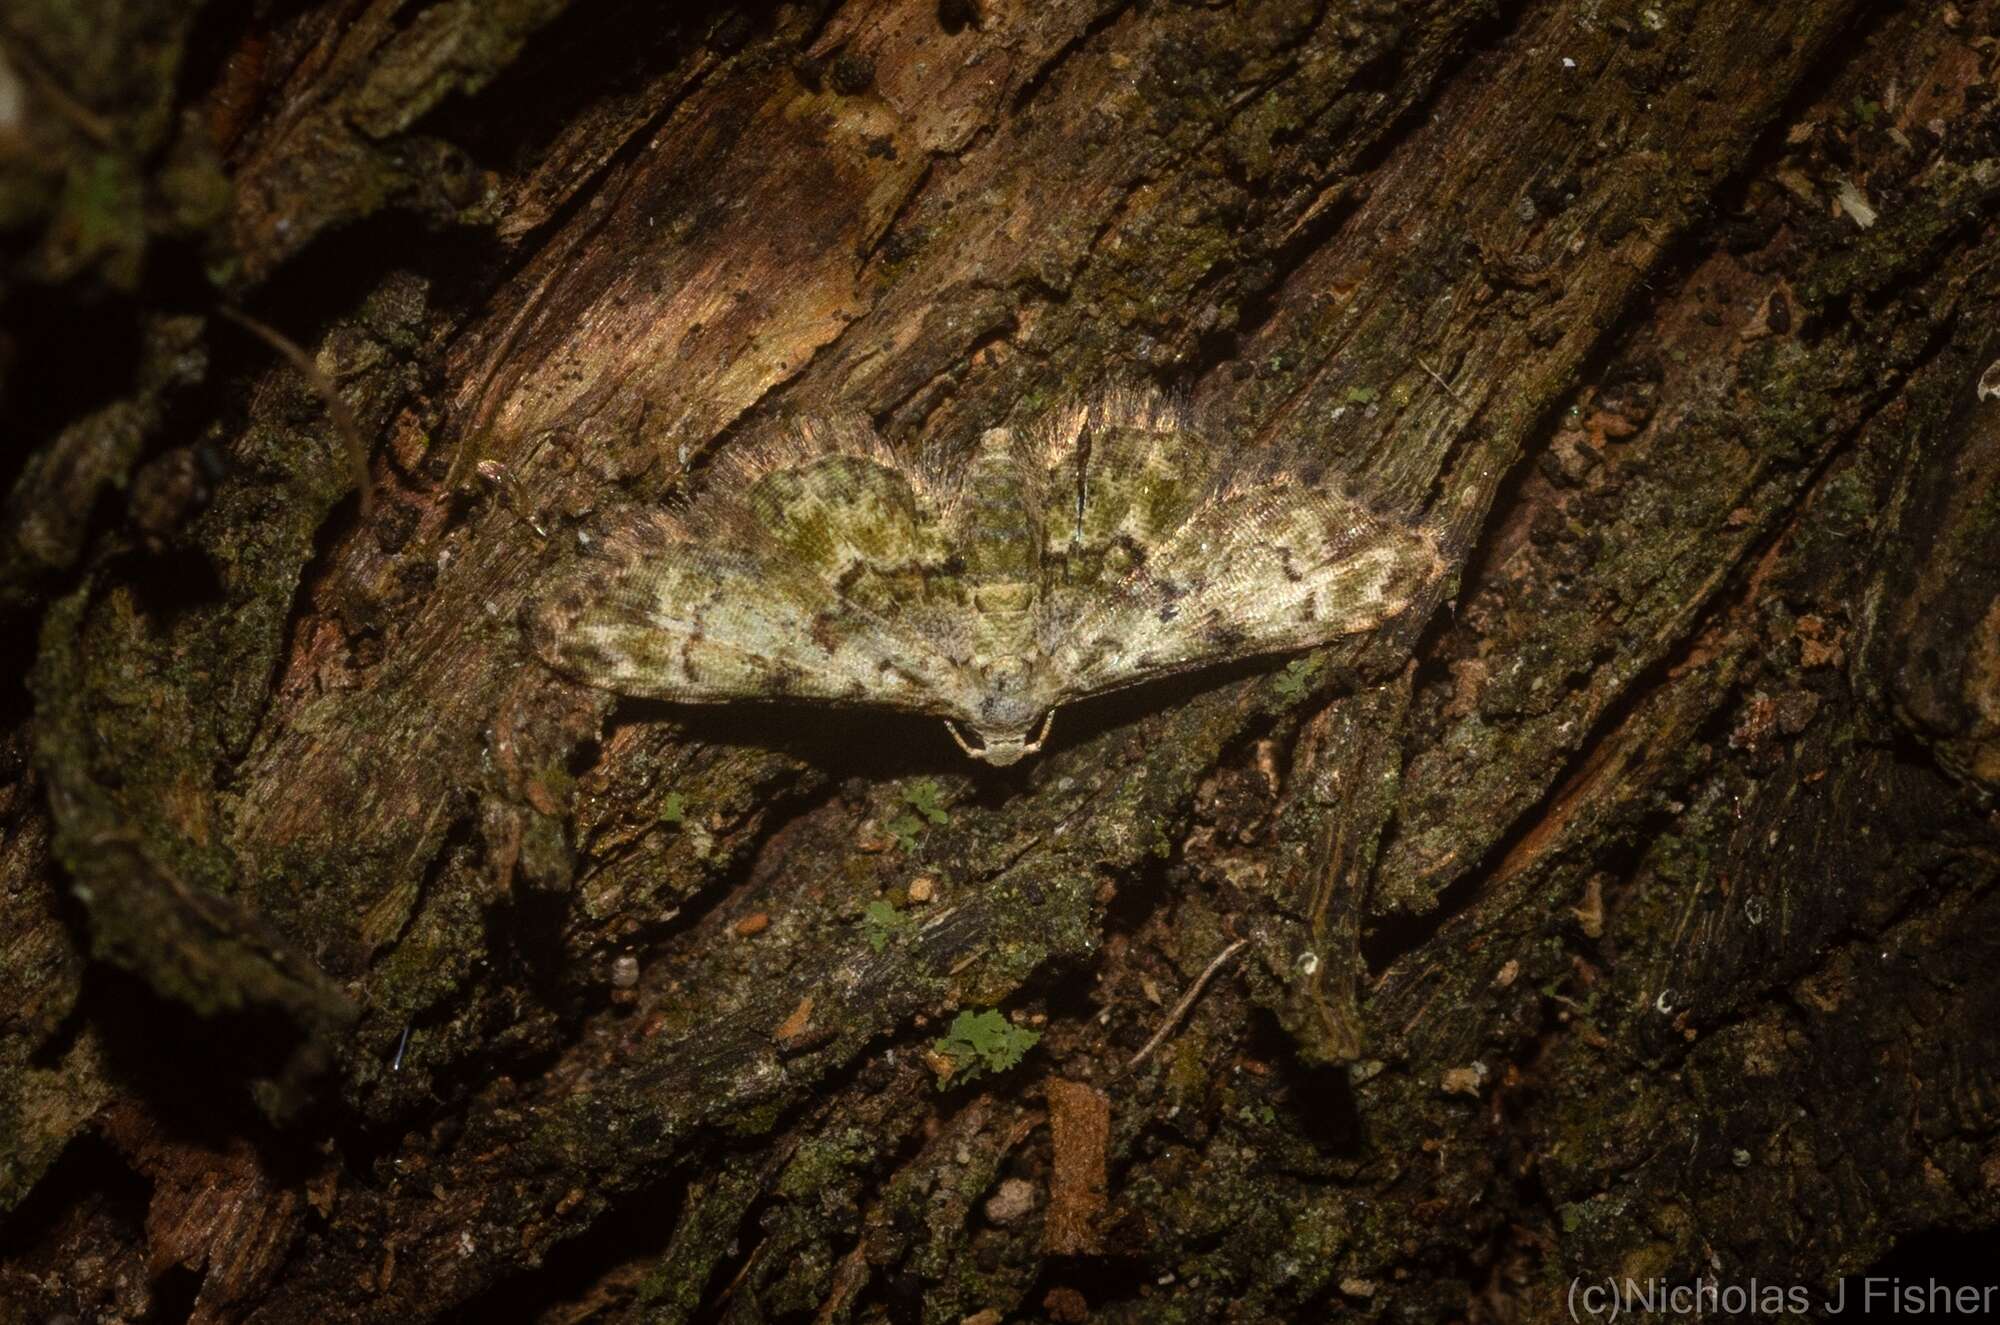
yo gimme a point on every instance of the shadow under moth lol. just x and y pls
(1111, 545)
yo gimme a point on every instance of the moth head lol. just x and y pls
(1001, 748)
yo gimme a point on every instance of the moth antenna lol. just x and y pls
(336, 404)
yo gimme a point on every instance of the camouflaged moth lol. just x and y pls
(1107, 547)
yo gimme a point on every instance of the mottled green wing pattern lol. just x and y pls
(1281, 568)
(1122, 487)
(1100, 551)
(816, 570)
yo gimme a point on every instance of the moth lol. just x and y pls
(1108, 546)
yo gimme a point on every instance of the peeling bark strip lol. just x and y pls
(356, 968)
(1079, 1128)
(219, 1213)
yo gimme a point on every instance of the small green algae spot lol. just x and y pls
(1362, 395)
(881, 922)
(1292, 683)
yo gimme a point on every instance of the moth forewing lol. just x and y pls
(780, 580)
(1263, 571)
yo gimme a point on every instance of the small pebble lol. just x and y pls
(1015, 1198)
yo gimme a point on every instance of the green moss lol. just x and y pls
(881, 922)
(756, 1120)
(822, 1163)
(925, 799)
(981, 1042)
(1296, 680)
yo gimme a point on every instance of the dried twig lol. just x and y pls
(1448, 389)
(1180, 1009)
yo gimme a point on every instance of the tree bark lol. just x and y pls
(1632, 918)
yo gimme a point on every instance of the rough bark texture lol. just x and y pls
(1636, 916)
